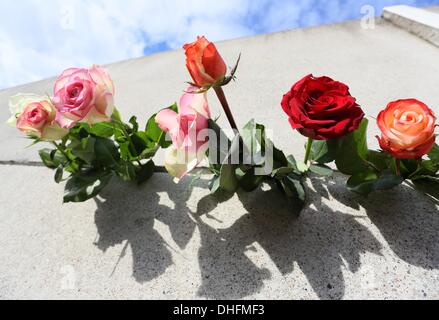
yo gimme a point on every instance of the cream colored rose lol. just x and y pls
(35, 116)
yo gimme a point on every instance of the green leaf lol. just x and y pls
(140, 142)
(149, 152)
(59, 174)
(408, 167)
(366, 182)
(292, 163)
(80, 131)
(135, 125)
(295, 191)
(45, 155)
(155, 133)
(429, 167)
(107, 153)
(280, 160)
(284, 171)
(387, 181)
(429, 186)
(219, 144)
(434, 154)
(362, 182)
(228, 180)
(145, 172)
(248, 135)
(427, 178)
(250, 182)
(214, 184)
(116, 115)
(51, 158)
(103, 129)
(82, 187)
(321, 169)
(120, 132)
(379, 159)
(153, 130)
(424, 168)
(127, 171)
(324, 151)
(352, 151)
(301, 166)
(84, 149)
(125, 152)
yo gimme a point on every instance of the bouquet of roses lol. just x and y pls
(92, 143)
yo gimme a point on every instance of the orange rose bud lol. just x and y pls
(407, 128)
(204, 63)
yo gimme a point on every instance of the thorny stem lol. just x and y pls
(60, 149)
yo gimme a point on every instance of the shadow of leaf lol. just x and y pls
(127, 215)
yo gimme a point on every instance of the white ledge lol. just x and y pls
(423, 23)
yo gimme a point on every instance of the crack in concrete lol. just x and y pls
(22, 164)
(158, 169)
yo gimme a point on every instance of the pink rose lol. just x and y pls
(185, 129)
(35, 116)
(83, 95)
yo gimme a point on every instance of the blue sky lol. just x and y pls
(40, 38)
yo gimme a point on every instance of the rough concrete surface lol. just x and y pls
(166, 241)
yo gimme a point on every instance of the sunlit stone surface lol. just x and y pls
(167, 241)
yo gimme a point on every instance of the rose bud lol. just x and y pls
(83, 95)
(407, 128)
(322, 109)
(204, 63)
(35, 116)
(184, 127)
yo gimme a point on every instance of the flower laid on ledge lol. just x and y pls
(35, 116)
(204, 63)
(92, 143)
(184, 128)
(407, 128)
(83, 95)
(323, 109)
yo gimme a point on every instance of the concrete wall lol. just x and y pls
(167, 241)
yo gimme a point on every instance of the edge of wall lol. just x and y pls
(420, 22)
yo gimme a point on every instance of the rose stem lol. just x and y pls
(308, 149)
(63, 152)
(222, 98)
(398, 167)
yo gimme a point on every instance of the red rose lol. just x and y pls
(204, 63)
(322, 109)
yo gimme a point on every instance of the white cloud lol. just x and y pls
(40, 38)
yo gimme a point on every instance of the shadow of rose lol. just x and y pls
(321, 242)
(318, 241)
(406, 218)
(127, 214)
